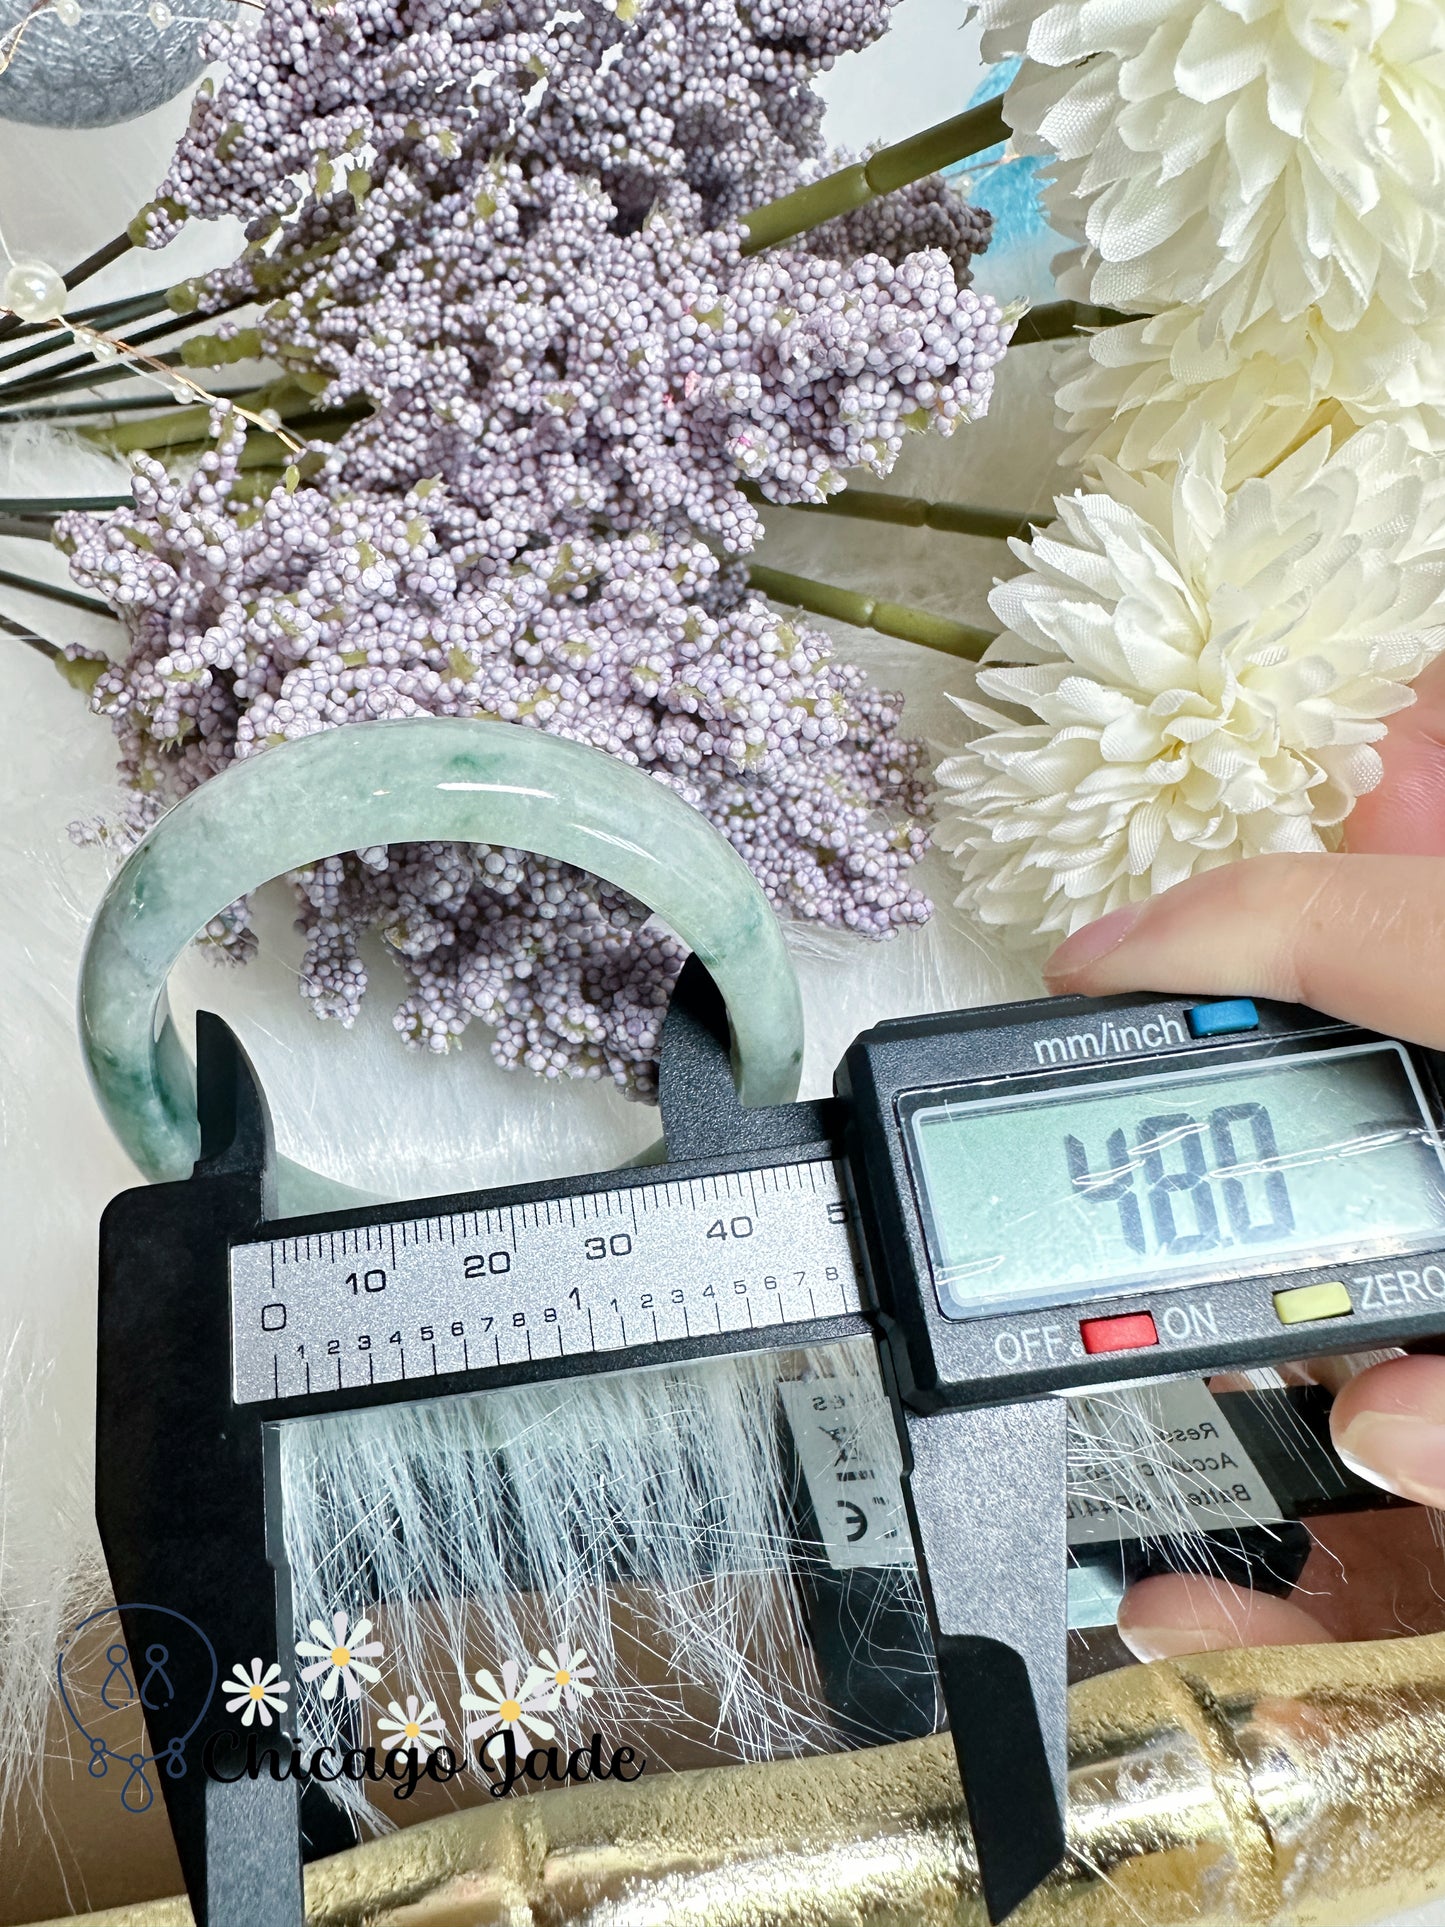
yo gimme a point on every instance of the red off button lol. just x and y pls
(1130, 1333)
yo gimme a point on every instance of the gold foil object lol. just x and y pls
(1301, 1785)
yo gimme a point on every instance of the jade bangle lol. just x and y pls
(424, 779)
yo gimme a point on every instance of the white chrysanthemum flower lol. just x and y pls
(1203, 670)
(1140, 394)
(1246, 157)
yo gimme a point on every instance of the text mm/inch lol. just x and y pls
(561, 1277)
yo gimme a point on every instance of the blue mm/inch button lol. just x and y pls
(1214, 1020)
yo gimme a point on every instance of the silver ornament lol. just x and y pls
(91, 63)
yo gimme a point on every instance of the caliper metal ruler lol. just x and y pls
(1018, 1203)
(542, 1280)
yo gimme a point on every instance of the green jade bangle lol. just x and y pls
(419, 780)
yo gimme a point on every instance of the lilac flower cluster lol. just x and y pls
(546, 302)
(701, 109)
(322, 610)
(512, 234)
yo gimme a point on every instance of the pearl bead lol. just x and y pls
(66, 11)
(34, 291)
(159, 14)
(102, 349)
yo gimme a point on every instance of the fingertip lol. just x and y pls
(1413, 1385)
(1404, 815)
(1088, 944)
(1228, 929)
(1179, 1613)
(1388, 1424)
(1358, 937)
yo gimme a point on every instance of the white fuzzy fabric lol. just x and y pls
(490, 1527)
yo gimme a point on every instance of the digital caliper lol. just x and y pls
(1019, 1202)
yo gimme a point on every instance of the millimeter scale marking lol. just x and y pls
(735, 1252)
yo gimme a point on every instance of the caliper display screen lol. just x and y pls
(1081, 1192)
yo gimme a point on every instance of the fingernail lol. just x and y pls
(1169, 1642)
(1405, 1455)
(1095, 940)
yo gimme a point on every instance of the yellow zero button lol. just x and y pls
(1307, 1302)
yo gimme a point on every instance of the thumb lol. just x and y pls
(1359, 937)
(1405, 814)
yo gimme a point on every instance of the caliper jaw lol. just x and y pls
(986, 1500)
(187, 1502)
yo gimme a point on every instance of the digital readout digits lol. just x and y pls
(1057, 1195)
(1155, 1137)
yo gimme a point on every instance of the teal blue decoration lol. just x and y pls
(423, 779)
(1010, 190)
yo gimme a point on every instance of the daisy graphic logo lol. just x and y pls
(518, 1706)
(256, 1694)
(512, 1729)
(416, 1728)
(513, 1719)
(341, 1656)
(340, 1653)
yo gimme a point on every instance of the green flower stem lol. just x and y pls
(442, 779)
(114, 315)
(1053, 320)
(96, 376)
(92, 264)
(82, 371)
(865, 612)
(268, 453)
(51, 341)
(27, 527)
(913, 512)
(81, 672)
(185, 431)
(891, 167)
(70, 597)
(175, 429)
(126, 405)
(87, 269)
(61, 504)
(111, 314)
(254, 485)
(22, 634)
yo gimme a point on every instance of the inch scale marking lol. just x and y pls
(573, 1277)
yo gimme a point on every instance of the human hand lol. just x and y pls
(1360, 935)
